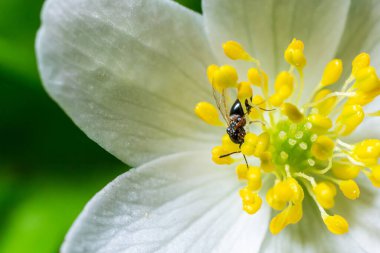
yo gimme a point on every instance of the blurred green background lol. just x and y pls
(49, 169)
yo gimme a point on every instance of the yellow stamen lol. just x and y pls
(332, 72)
(266, 162)
(220, 151)
(323, 148)
(229, 145)
(292, 112)
(345, 171)
(349, 119)
(244, 91)
(325, 193)
(291, 215)
(367, 80)
(320, 122)
(327, 105)
(241, 171)
(367, 149)
(336, 224)
(225, 77)
(208, 113)
(210, 72)
(235, 51)
(361, 61)
(249, 145)
(262, 144)
(254, 178)
(294, 54)
(350, 189)
(374, 176)
(251, 201)
(274, 201)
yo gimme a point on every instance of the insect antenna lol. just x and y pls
(267, 110)
(257, 121)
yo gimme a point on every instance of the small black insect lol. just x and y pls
(236, 119)
(237, 122)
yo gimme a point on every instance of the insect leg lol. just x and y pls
(229, 154)
(246, 162)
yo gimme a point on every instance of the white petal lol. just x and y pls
(361, 33)
(129, 73)
(309, 236)
(178, 203)
(363, 216)
(265, 28)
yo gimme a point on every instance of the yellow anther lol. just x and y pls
(291, 215)
(367, 149)
(251, 201)
(276, 99)
(332, 72)
(361, 61)
(244, 91)
(284, 85)
(294, 54)
(235, 51)
(374, 176)
(295, 213)
(262, 144)
(250, 138)
(323, 148)
(345, 171)
(278, 223)
(208, 113)
(229, 145)
(257, 77)
(252, 208)
(283, 191)
(257, 101)
(336, 224)
(247, 149)
(292, 112)
(325, 193)
(241, 171)
(274, 201)
(254, 178)
(327, 105)
(249, 145)
(349, 119)
(225, 77)
(320, 122)
(210, 72)
(246, 195)
(298, 194)
(266, 162)
(220, 151)
(350, 189)
(363, 98)
(367, 80)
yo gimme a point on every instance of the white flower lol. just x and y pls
(129, 73)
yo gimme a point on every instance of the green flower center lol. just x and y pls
(291, 146)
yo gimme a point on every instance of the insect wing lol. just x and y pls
(220, 101)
